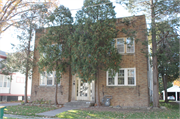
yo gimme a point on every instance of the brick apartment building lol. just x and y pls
(128, 88)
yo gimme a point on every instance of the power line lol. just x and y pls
(69, 10)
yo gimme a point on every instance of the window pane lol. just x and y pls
(120, 45)
(121, 77)
(5, 81)
(1, 80)
(130, 45)
(121, 73)
(130, 72)
(43, 78)
(121, 80)
(5, 84)
(49, 79)
(49, 82)
(130, 80)
(8, 84)
(110, 81)
(120, 41)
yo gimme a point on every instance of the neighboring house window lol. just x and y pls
(124, 77)
(47, 78)
(4, 81)
(125, 45)
(1, 80)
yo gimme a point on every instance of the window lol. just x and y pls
(47, 78)
(125, 45)
(124, 77)
(129, 46)
(42, 78)
(1, 80)
(110, 79)
(120, 45)
(4, 81)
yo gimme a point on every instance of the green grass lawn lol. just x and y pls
(172, 112)
(26, 110)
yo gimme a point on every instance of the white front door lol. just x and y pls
(84, 90)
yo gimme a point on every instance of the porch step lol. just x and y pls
(78, 104)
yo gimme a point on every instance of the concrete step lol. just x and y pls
(78, 104)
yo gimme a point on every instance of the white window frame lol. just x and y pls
(3, 81)
(123, 44)
(53, 80)
(125, 78)
(127, 46)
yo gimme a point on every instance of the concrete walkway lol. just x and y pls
(24, 117)
(9, 104)
(57, 111)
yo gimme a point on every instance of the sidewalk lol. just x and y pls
(46, 115)
(9, 104)
(57, 111)
(24, 117)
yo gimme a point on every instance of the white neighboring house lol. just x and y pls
(173, 91)
(150, 77)
(13, 90)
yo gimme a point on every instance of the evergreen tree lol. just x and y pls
(92, 42)
(53, 45)
(168, 52)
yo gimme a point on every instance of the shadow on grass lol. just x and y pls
(171, 112)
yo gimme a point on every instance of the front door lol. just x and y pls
(84, 90)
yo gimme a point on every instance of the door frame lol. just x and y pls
(89, 98)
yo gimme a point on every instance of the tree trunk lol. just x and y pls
(165, 87)
(97, 90)
(56, 90)
(56, 102)
(27, 65)
(154, 49)
(70, 85)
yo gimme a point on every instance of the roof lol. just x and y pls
(173, 89)
(3, 54)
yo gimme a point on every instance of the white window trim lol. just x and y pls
(127, 47)
(125, 77)
(53, 82)
(3, 80)
(123, 43)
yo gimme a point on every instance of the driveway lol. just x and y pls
(9, 104)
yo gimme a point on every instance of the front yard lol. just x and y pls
(26, 110)
(173, 111)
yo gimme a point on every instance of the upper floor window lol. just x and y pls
(125, 45)
(48, 79)
(124, 77)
